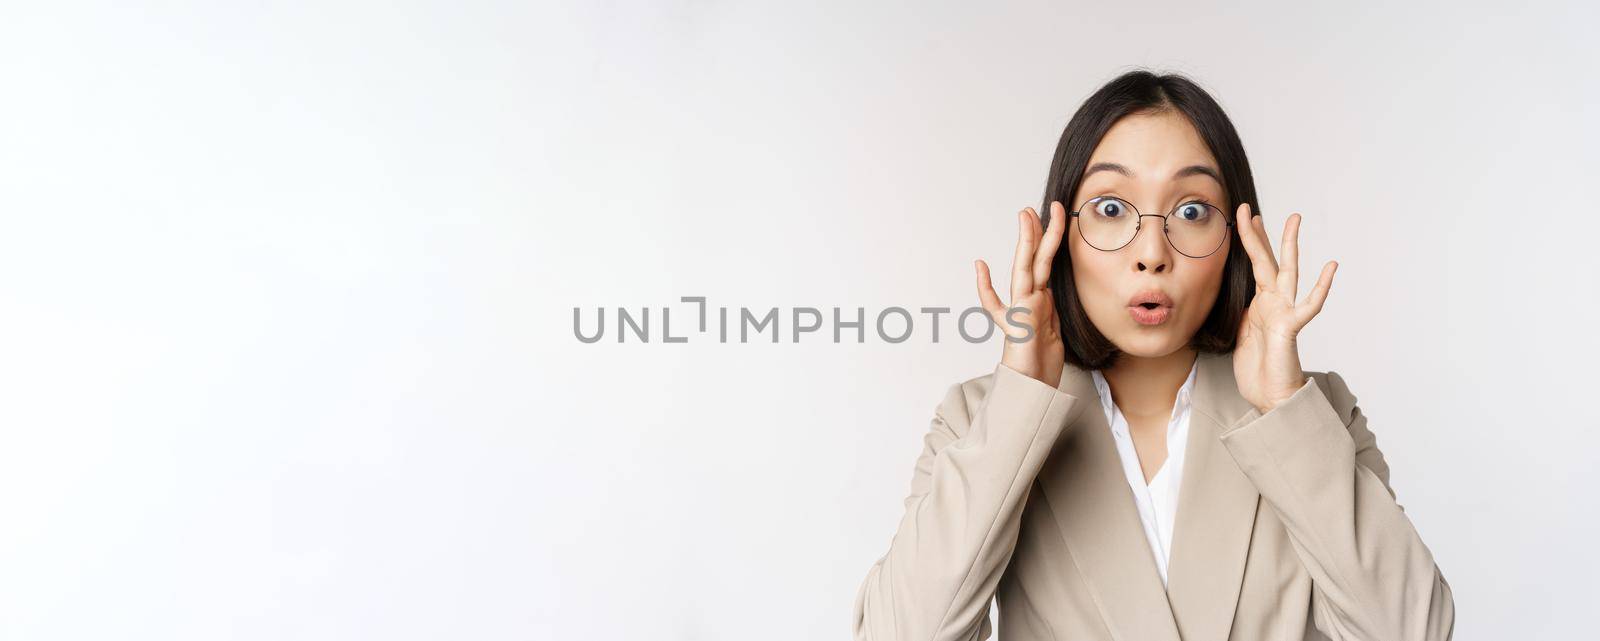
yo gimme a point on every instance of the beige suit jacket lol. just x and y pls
(1287, 527)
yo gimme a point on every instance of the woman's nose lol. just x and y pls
(1150, 249)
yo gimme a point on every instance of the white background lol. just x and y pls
(286, 295)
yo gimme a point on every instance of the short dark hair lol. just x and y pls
(1142, 91)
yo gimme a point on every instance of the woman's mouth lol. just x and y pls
(1150, 307)
(1149, 313)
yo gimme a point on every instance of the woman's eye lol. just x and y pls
(1193, 212)
(1109, 208)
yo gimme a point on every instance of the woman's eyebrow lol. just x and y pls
(1191, 170)
(1198, 170)
(1106, 166)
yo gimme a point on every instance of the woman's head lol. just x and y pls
(1155, 145)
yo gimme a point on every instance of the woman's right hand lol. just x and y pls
(1042, 355)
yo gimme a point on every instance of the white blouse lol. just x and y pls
(1158, 501)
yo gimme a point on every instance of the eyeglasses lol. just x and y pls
(1196, 229)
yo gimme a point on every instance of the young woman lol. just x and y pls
(1154, 465)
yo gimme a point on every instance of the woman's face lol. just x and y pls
(1144, 160)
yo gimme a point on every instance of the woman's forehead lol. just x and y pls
(1152, 147)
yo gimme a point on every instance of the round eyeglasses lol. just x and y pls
(1196, 229)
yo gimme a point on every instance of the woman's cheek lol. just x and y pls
(1091, 296)
(1104, 315)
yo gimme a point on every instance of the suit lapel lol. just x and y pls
(1088, 493)
(1216, 510)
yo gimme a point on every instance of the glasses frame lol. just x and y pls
(1139, 224)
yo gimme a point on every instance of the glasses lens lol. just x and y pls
(1197, 229)
(1107, 223)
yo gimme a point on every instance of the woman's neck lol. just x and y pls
(1148, 386)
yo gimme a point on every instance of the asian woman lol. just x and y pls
(1148, 461)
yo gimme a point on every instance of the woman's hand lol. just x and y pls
(1266, 361)
(1034, 348)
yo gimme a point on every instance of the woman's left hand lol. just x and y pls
(1266, 361)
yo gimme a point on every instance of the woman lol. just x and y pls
(1155, 465)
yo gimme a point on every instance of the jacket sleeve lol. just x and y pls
(961, 519)
(1318, 467)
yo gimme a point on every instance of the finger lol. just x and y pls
(1047, 247)
(1022, 262)
(1289, 264)
(1312, 305)
(1266, 246)
(986, 295)
(1250, 235)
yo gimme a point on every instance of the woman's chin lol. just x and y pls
(1148, 342)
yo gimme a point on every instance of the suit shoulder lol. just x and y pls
(966, 395)
(1337, 392)
(964, 398)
